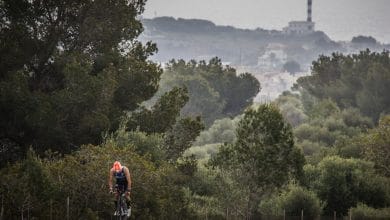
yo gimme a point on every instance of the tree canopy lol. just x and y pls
(359, 80)
(264, 155)
(69, 70)
(215, 91)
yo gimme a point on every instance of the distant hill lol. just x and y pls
(201, 39)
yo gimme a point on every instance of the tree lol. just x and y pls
(215, 91)
(359, 81)
(292, 201)
(342, 183)
(364, 40)
(263, 155)
(291, 107)
(181, 136)
(292, 67)
(376, 146)
(163, 114)
(70, 69)
(39, 184)
(222, 131)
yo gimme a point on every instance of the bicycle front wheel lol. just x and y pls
(122, 208)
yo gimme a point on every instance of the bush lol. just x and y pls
(293, 200)
(203, 152)
(82, 176)
(298, 198)
(363, 211)
(222, 131)
(343, 183)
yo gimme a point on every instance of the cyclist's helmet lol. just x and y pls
(117, 166)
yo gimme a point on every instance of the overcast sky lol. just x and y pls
(338, 18)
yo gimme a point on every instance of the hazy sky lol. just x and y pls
(340, 19)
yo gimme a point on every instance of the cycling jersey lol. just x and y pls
(121, 179)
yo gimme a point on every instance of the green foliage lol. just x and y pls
(142, 143)
(310, 148)
(163, 114)
(292, 200)
(362, 212)
(204, 206)
(360, 81)
(214, 91)
(342, 183)
(291, 107)
(225, 197)
(324, 108)
(66, 75)
(328, 126)
(263, 155)
(26, 186)
(221, 131)
(181, 136)
(376, 146)
(82, 176)
(203, 153)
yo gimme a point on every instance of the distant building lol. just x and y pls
(301, 27)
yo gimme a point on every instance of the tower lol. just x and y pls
(309, 10)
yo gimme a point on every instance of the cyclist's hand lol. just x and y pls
(127, 193)
(111, 191)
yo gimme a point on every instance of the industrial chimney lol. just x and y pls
(308, 10)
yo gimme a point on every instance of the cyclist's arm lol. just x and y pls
(128, 177)
(110, 179)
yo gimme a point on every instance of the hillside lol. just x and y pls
(201, 39)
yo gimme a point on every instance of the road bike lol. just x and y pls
(122, 212)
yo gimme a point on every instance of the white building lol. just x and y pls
(301, 27)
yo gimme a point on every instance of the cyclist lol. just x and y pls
(123, 181)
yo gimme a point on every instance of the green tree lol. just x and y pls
(291, 107)
(363, 211)
(181, 136)
(27, 188)
(163, 114)
(328, 126)
(263, 155)
(37, 184)
(215, 91)
(292, 67)
(221, 131)
(292, 200)
(70, 69)
(358, 80)
(376, 146)
(342, 183)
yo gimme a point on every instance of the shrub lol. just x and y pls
(363, 211)
(293, 200)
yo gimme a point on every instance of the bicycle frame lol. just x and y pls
(121, 207)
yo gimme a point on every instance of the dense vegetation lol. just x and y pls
(346, 148)
(78, 91)
(214, 91)
(67, 72)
